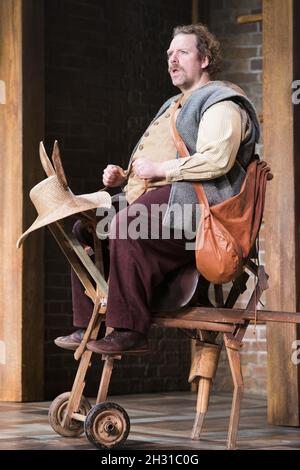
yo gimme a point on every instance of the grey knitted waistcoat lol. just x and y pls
(189, 117)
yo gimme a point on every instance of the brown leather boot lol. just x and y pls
(71, 341)
(120, 342)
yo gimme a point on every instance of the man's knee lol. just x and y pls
(82, 233)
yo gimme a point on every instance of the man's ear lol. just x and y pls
(204, 63)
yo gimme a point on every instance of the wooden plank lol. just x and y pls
(244, 19)
(87, 262)
(194, 11)
(281, 149)
(193, 324)
(21, 281)
(10, 206)
(200, 11)
(224, 315)
(236, 372)
(78, 268)
(77, 388)
(105, 379)
(90, 266)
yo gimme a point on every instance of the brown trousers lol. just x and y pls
(137, 267)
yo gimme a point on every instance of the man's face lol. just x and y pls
(184, 64)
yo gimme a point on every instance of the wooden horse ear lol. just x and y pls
(45, 161)
(58, 166)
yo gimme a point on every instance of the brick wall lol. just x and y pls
(105, 78)
(242, 55)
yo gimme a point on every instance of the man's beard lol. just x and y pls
(181, 81)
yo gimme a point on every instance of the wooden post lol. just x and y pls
(281, 150)
(194, 11)
(200, 11)
(22, 126)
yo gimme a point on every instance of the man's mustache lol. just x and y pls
(171, 69)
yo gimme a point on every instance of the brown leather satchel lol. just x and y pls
(228, 230)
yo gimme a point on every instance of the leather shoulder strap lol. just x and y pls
(183, 152)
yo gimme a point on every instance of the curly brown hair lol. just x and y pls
(207, 45)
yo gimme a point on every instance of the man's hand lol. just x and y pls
(147, 169)
(113, 175)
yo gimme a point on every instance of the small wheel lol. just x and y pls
(57, 412)
(107, 425)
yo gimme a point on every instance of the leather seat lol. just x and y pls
(176, 291)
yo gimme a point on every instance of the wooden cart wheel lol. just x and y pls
(57, 411)
(107, 425)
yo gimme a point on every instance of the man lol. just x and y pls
(219, 127)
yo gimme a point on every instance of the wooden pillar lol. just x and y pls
(200, 11)
(195, 11)
(281, 150)
(22, 126)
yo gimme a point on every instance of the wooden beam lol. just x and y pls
(10, 204)
(281, 150)
(227, 315)
(21, 117)
(200, 11)
(244, 19)
(194, 11)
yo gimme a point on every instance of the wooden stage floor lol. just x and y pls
(158, 421)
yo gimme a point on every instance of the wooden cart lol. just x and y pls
(107, 424)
